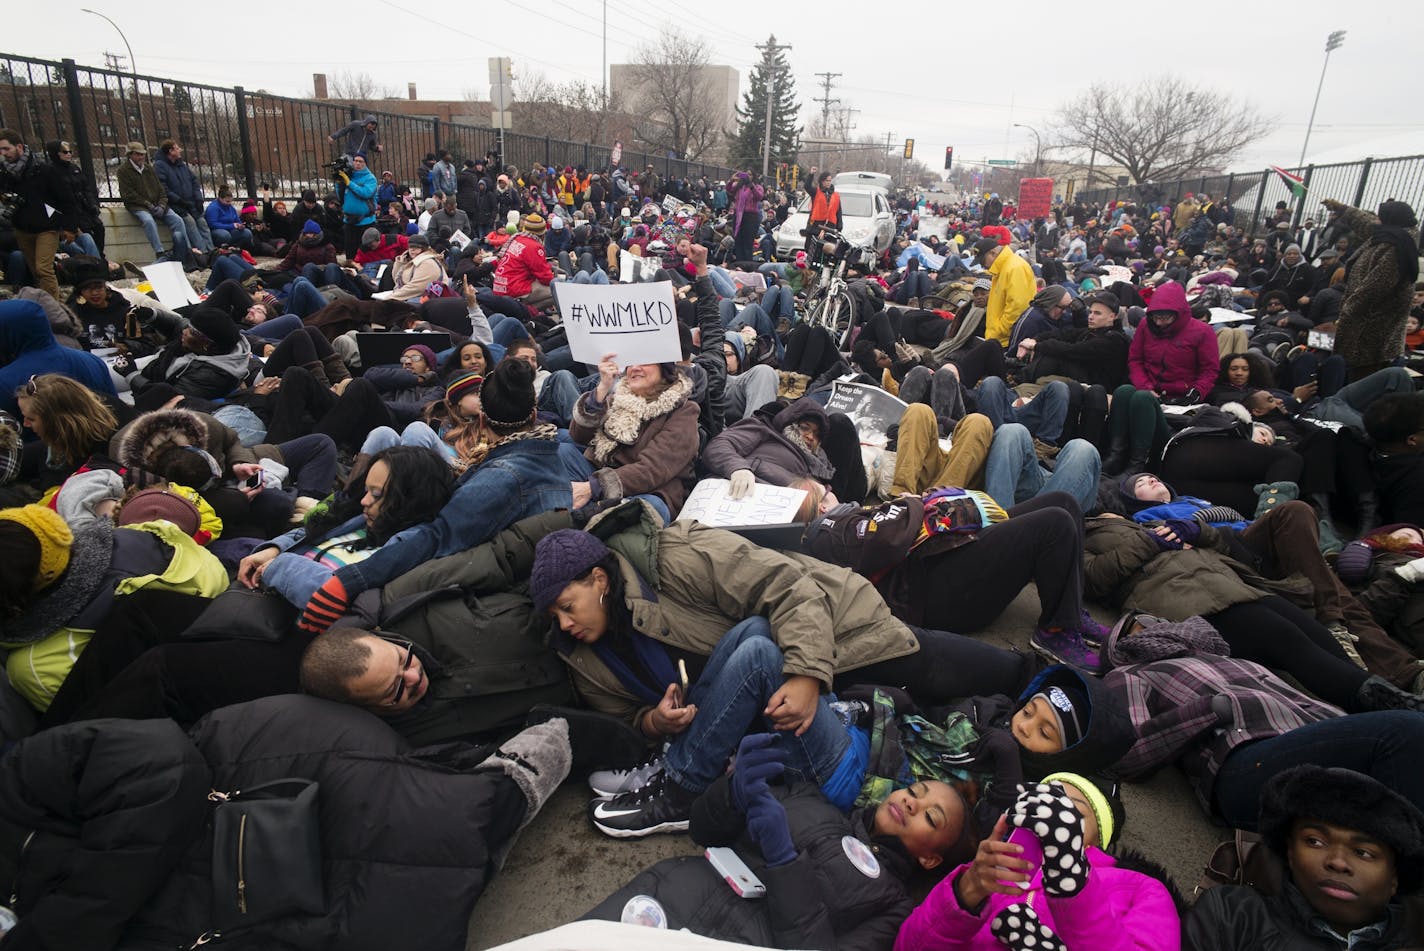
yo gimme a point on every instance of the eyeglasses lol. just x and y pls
(400, 687)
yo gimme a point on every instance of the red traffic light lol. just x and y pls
(948, 157)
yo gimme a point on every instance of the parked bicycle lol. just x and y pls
(829, 305)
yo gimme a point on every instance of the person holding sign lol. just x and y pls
(640, 429)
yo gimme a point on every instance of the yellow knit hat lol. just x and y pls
(53, 535)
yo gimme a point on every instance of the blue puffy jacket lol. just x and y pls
(359, 205)
(28, 348)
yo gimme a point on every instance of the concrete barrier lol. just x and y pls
(124, 239)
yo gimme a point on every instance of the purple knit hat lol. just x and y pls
(424, 351)
(559, 558)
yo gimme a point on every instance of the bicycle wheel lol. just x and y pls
(839, 317)
(815, 309)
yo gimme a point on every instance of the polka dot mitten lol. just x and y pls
(1047, 812)
(1018, 927)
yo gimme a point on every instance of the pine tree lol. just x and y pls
(751, 116)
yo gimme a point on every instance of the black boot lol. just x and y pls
(1136, 461)
(1369, 513)
(1116, 460)
(1376, 693)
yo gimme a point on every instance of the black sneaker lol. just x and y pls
(660, 806)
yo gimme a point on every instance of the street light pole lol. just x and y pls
(133, 68)
(1038, 153)
(1333, 42)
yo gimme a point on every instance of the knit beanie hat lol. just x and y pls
(462, 384)
(83, 492)
(507, 396)
(424, 351)
(370, 238)
(1049, 297)
(1069, 704)
(217, 326)
(532, 224)
(1102, 806)
(53, 535)
(559, 558)
(311, 227)
(158, 504)
(420, 241)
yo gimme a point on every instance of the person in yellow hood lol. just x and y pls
(1012, 291)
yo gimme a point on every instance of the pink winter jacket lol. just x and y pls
(1186, 357)
(1118, 910)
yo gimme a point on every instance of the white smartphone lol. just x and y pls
(735, 872)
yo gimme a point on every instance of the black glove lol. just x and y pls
(1045, 810)
(1018, 927)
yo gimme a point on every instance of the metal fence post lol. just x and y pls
(586, 162)
(1260, 197)
(1364, 177)
(548, 151)
(244, 138)
(1230, 183)
(77, 119)
(1300, 205)
(435, 130)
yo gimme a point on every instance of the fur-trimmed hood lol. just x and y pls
(627, 412)
(153, 432)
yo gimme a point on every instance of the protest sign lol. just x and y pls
(670, 204)
(459, 239)
(633, 269)
(170, 284)
(871, 409)
(1035, 197)
(636, 322)
(709, 504)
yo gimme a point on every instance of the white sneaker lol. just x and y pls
(607, 783)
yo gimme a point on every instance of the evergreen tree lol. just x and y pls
(751, 115)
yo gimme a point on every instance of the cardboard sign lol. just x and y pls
(1035, 197)
(709, 504)
(170, 284)
(633, 269)
(671, 204)
(871, 409)
(636, 322)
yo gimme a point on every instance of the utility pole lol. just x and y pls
(826, 101)
(889, 137)
(769, 50)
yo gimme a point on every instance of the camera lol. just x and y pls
(340, 164)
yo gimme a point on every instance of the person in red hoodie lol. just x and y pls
(523, 271)
(1171, 359)
(378, 249)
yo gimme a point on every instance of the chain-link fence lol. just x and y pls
(245, 140)
(1254, 195)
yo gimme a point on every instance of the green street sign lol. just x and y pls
(1003, 161)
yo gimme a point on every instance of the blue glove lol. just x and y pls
(759, 758)
(766, 822)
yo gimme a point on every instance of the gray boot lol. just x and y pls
(538, 760)
(1376, 693)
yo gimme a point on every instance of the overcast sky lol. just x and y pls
(946, 75)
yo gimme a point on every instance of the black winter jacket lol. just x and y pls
(36, 183)
(818, 900)
(1231, 917)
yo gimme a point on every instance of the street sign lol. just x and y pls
(1003, 161)
(909, 149)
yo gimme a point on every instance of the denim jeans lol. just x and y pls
(749, 391)
(722, 282)
(323, 275)
(240, 237)
(1348, 404)
(779, 302)
(311, 462)
(1012, 473)
(199, 235)
(228, 267)
(1043, 415)
(505, 330)
(1387, 745)
(916, 284)
(276, 329)
(82, 244)
(303, 299)
(584, 277)
(730, 694)
(774, 267)
(751, 315)
(415, 434)
(559, 394)
(581, 470)
(181, 245)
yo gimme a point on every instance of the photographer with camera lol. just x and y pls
(37, 200)
(358, 206)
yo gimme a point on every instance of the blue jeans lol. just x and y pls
(181, 245)
(730, 694)
(1012, 473)
(559, 394)
(415, 434)
(505, 330)
(1043, 415)
(779, 302)
(276, 329)
(751, 315)
(228, 267)
(581, 470)
(322, 275)
(773, 267)
(198, 233)
(240, 237)
(1387, 745)
(82, 244)
(1349, 403)
(722, 282)
(597, 277)
(916, 284)
(303, 299)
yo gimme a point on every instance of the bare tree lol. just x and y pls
(358, 87)
(571, 110)
(675, 99)
(1161, 129)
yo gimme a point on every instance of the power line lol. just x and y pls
(826, 99)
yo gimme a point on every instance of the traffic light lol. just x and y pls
(948, 157)
(909, 149)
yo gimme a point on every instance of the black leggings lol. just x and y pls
(1277, 634)
(1223, 469)
(302, 405)
(1041, 542)
(947, 667)
(978, 360)
(233, 298)
(923, 327)
(884, 329)
(810, 351)
(300, 348)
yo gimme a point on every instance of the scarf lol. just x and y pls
(89, 558)
(627, 412)
(21, 165)
(817, 462)
(1406, 251)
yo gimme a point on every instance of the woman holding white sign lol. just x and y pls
(640, 429)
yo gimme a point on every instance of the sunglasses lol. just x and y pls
(31, 387)
(400, 688)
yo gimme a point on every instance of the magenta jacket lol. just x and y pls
(1184, 358)
(1118, 910)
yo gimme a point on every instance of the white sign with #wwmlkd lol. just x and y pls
(710, 504)
(635, 322)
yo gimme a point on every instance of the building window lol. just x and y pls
(106, 131)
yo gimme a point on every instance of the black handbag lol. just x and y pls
(266, 854)
(245, 614)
